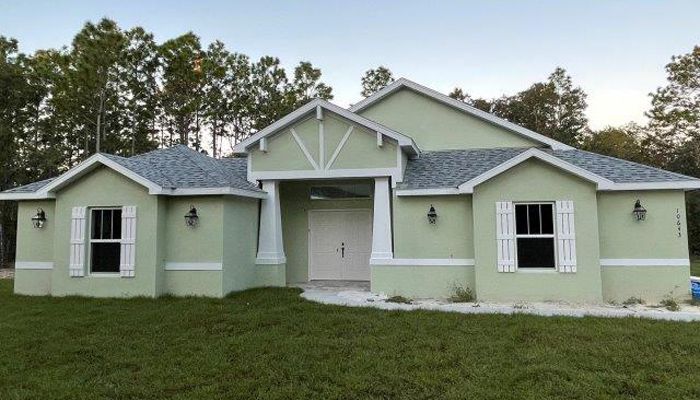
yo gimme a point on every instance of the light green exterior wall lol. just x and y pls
(35, 244)
(360, 150)
(194, 283)
(106, 188)
(240, 238)
(226, 234)
(623, 237)
(436, 126)
(295, 203)
(421, 281)
(450, 237)
(201, 244)
(536, 181)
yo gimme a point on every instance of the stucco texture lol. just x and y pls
(436, 126)
(534, 181)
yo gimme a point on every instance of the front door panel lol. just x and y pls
(340, 244)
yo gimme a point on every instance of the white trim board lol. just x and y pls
(395, 173)
(435, 262)
(193, 266)
(35, 265)
(644, 262)
(313, 106)
(460, 105)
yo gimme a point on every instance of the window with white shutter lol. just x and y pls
(76, 267)
(127, 257)
(534, 235)
(505, 236)
(566, 236)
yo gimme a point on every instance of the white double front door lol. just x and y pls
(340, 244)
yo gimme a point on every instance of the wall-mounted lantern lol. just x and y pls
(432, 215)
(191, 218)
(39, 218)
(639, 212)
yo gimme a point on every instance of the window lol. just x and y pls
(342, 191)
(105, 239)
(534, 233)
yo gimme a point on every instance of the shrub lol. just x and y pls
(670, 304)
(461, 294)
(632, 301)
(398, 299)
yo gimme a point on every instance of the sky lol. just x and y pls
(615, 50)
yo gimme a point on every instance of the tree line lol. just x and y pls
(119, 91)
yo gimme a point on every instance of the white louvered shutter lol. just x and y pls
(127, 254)
(566, 236)
(505, 236)
(76, 263)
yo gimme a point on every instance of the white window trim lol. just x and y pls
(90, 241)
(553, 236)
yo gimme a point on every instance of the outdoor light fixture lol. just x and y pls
(39, 219)
(191, 218)
(432, 215)
(639, 211)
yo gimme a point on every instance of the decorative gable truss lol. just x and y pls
(324, 134)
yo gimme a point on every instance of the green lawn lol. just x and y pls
(270, 343)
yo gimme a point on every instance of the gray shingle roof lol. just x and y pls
(177, 167)
(183, 168)
(451, 168)
(30, 187)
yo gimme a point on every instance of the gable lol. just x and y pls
(434, 125)
(322, 147)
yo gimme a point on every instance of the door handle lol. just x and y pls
(342, 250)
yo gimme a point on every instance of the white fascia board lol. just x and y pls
(215, 191)
(312, 107)
(460, 105)
(395, 173)
(93, 162)
(27, 196)
(669, 185)
(603, 183)
(428, 192)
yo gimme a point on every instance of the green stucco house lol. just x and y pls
(410, 190)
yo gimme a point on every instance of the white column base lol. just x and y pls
(270, 244)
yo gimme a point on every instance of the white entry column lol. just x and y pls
(381, 222)
(270, 245)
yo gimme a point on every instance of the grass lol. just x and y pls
(271, 344)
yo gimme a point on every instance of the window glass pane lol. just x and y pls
(547, 219)
(96, 224)
(343, 191)
(533, 211)
(521, 219)
(104, 257)
(106, 224)
(116, 224)
(535, 253)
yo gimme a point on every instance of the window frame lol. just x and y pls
(553, 236)
(370, 196)
(91, 241)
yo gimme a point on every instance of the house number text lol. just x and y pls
(678, 222)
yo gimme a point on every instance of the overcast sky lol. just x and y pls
(615, 50)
